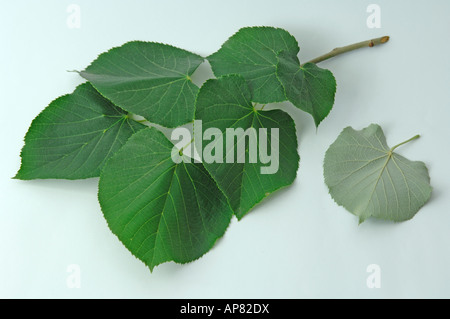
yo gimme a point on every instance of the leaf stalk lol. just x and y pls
(407, 141)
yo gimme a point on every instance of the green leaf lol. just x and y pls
(366, 177)
(308, 87)
(148, 79)
(252, 53)
(226, 103)
(74, 136)
(161, 211)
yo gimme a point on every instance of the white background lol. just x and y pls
(298, 243)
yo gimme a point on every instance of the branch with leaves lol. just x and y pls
(166, 211)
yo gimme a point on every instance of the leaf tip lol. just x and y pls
(20, 175)
(361, 220)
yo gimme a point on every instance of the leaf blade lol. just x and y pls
(242, 182)
(149, 79)
(161, 211)
(74, 137)
(308, 87)
(252, 53)
(368, 179)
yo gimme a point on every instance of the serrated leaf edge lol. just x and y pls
(151, 267)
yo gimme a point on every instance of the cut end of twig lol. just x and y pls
(385, 39)
(378, 41)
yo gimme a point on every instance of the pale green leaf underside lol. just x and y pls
(74, 136)
(308, 87)
(368, 179)
(148, 79)
(227, 103)
(252, 53)
(161, 211)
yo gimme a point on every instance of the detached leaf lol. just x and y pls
(74, 136)
(226, 104)
(161, 211)
(308, 87)
(148, 79)
(252, 53)
(366, 177)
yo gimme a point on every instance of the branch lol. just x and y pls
(348, 48)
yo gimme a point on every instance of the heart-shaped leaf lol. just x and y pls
(252, 53)
(261, 158)
(149, 79)
(366, 177)
(308, 87)
(160, 210)
(74, 136)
